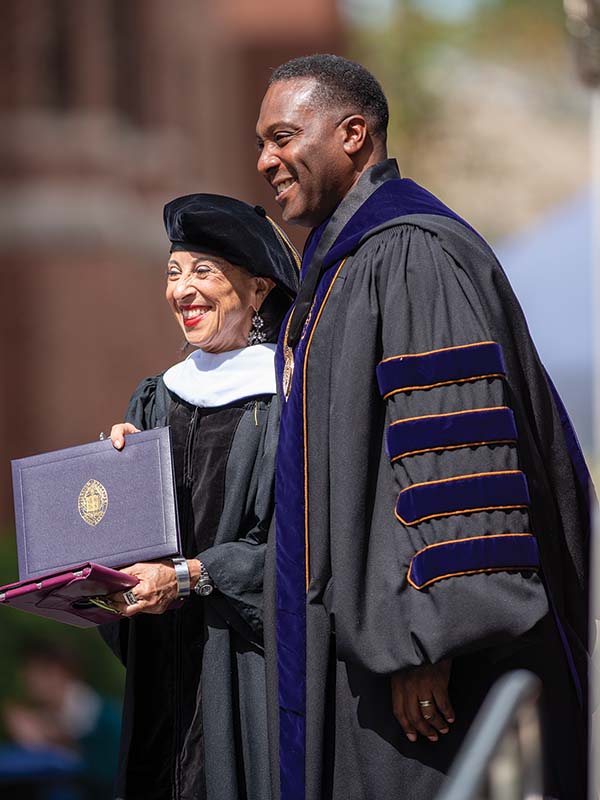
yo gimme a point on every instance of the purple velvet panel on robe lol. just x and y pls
(483, 426)
(479, 554)
(454, 364)
(463, 494)
(291, 567)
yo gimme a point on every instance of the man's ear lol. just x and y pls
(356, 132)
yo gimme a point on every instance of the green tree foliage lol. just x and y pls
(415, 54)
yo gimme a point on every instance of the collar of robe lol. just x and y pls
(209, 380)
(380, 196)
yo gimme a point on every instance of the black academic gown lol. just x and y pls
(427, 485)
(194, 715)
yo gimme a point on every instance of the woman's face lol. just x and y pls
(213, 300)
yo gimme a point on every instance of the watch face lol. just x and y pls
(205, 589)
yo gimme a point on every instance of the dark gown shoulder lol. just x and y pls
(149, 403)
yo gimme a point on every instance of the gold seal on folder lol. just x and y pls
(93, 502)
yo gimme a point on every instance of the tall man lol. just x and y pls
(431, 513)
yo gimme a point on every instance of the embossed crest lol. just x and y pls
(93, 502)
(288, 371)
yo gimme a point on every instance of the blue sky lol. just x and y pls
(365, 11)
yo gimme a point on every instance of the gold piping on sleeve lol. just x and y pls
(463, 510)
(489, 443)
(449, 414)
(444, 383)
(431, 352)
(465, 572)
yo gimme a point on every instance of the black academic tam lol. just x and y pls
(242, 234)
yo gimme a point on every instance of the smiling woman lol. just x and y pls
(213, 300)
(195, 699)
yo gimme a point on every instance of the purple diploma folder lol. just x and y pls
(64, 596)
(87, 508)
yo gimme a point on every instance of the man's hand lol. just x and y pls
(428, 684)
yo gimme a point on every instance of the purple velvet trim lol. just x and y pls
(394, 198)
(468, 493)
(450, 430)
(480, 554)
(440, 366)
(291, 568)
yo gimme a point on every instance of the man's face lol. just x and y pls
(302, 152)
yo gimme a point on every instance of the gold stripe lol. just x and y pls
(469, 572)
(466, 572)
(444, 383)
(462, 510)
(431, 352)
(489, 443)
(304, 366)
(449, 414)
(456, 513)
(463, 477)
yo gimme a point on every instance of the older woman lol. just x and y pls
(194, 723)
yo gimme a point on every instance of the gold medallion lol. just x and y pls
(92, 502)
(288, 370)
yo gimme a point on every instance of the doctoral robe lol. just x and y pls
(431, 503)
(194, 714)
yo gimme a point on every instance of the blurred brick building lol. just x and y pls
(108, 109)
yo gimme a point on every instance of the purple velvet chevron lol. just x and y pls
(463, 494)
(452, 364)
(478, 426)
(491, 553)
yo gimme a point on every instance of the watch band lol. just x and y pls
(182, 576)
(204, 585)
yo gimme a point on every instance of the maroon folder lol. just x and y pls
(65, 596)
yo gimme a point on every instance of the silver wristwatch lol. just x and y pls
(205, 585)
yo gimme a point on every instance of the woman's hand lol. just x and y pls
(118, 433)
(420, 700)
(156, 590)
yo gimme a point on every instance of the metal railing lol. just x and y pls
(501, 757)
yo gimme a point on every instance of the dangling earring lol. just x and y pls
(256, 335)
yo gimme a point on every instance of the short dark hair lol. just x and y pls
(342, 82)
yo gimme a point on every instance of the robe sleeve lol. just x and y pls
(149, 404)
(451, 561)
(237, 566)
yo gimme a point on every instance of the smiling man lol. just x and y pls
(431, 497)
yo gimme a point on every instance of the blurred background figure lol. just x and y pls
(63, 722)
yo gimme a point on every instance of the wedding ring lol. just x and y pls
(426, 705)
(130, 598)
